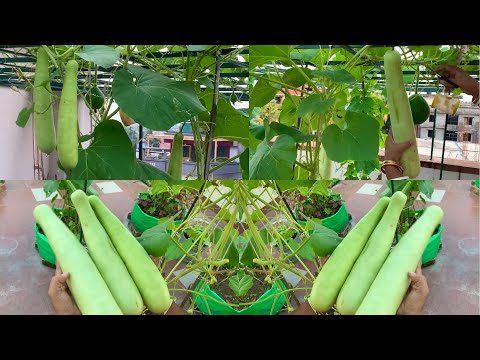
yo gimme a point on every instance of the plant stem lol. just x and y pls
(213, 118)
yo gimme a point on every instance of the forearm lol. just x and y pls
(392, 172)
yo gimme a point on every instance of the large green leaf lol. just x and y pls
(240, 283)
(274, 162)
(156, 240)
(304, 54)
(296, 76)
(153, 100)
(314, 104)
(232, 256)
(295, 134)
(109, 156)
(338, 76)
(289, 109)
(361, 104)
(358, 141)
(258, 131)
(173, 251)
(323, 240)
(144, 171)
(321, 187)
(244, 164)
(100, 55)
(230, 123)
(159, 186)
(261, 54)
(262, 93)
(367, 167)
(247, 256)
(306, 252)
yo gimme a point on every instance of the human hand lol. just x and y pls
(62, 300)
(417, 294)
(394, 151)
(464, 81)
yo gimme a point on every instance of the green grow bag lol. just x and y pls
(337, 222)
(44, 248)
(142, 221)
(268, 307)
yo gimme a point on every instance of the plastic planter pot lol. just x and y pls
(142, 221)
(46, 252)
(271, 306)
(337, 222)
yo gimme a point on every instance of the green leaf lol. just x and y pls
(205, 81)
(321, 187)
(367, 167)
(262, 93)
(240, 244)
(173, 251)
(109, 156)
(261, 54)
(190, 184)
(425, 187)
(323, 240)
(240, 283)
(50, 186)
(156, 240)
(266, 236)
(296, 76)
(361, 104)
(244, 164)
(358, 141)
(232, 256)
(296, 135)
(230, 123)
(216, 235)
(248, 256)
(253, 143)
(153, 100)
(340, 100)
(314, 104)
(292, 185)
(197, 47)
(258, 131)
(338, 76)
(100, 55)
(159, 186)
(274, 162)
(304, 54)
(306, 252)
(23, 116)
(144, 171)
(289, 109)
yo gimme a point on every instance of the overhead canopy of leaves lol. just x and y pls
(261, 54)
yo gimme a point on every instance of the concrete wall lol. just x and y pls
(465, 111)
(18, 153)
